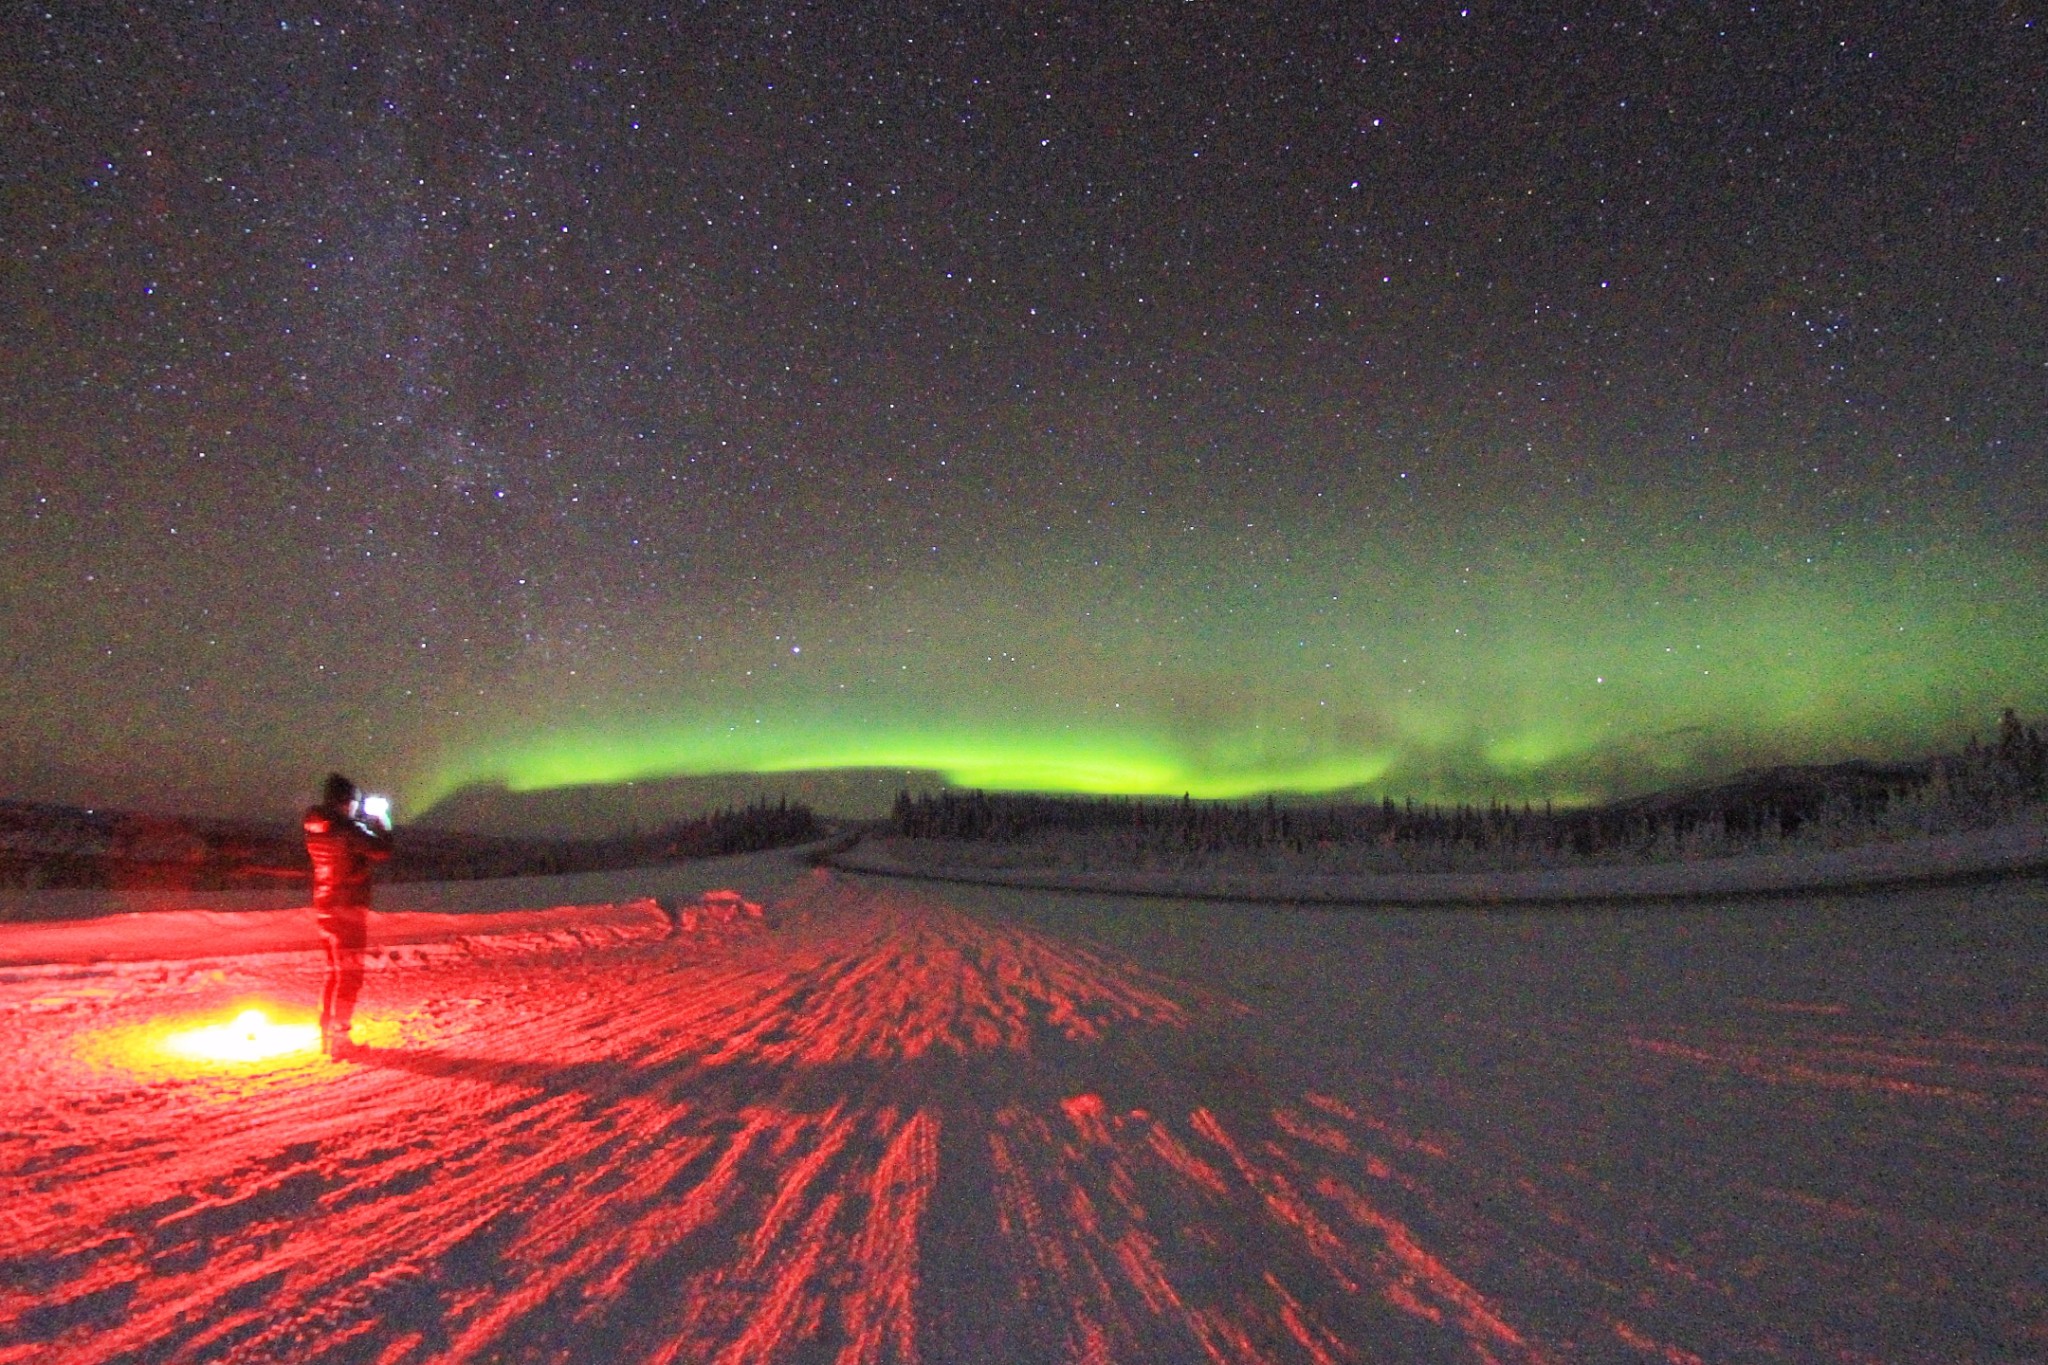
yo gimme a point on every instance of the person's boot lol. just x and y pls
(334, 1041)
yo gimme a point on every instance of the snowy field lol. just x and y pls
(893, 1121)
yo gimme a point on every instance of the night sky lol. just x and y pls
(1429, 399)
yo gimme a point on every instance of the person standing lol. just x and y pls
(344, 845)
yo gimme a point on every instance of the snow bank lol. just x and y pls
(81, 926)
(2006, 850)
(173, 934)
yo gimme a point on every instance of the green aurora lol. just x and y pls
(1578, 671)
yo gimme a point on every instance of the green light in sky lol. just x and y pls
(1009, 760)
(1529, 677)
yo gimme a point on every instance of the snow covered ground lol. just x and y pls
(891, 1121)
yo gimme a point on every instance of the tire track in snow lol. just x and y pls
(876, 1128)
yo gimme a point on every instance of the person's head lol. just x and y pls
(339, 793)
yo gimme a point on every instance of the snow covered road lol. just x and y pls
(892, 1122)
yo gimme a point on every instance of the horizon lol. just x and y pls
(602, 809)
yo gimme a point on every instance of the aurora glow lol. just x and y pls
(1523, 678)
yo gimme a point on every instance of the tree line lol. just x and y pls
(1982, 783)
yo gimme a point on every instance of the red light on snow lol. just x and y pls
(251, 1036)
(245, 1043)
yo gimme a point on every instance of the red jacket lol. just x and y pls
(343, 849)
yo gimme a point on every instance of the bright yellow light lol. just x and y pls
(250, 1036)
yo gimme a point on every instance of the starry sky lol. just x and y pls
(1434, 399)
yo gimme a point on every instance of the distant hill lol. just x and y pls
(1793, 794)
(46, 845)
(603, 810)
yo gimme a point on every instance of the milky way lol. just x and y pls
(1405, 398)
